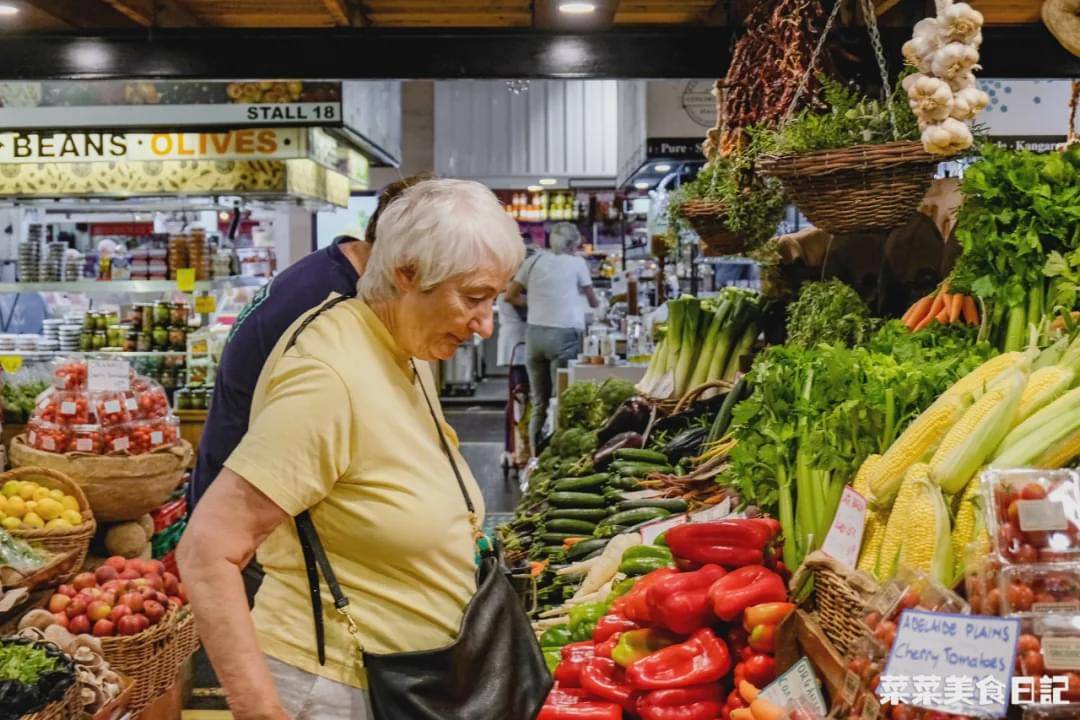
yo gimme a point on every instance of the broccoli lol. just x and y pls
(614, 392)
(580, 406)
(571, 444)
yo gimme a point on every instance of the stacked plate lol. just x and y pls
(69, 337)
(50, 328)
(30, 257)
(74, 262)
(7, 343)
(26, 342)
(52, 264)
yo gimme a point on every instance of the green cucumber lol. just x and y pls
(557, 538)
(639, 469)
(610, 531)
(580, 484)
(577, 500)
(639, 455)
(674, 505)
(566, 525)
(585, 548)
(590, 514)
(635, 516)
(623, 482)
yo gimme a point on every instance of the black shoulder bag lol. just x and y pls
(494, 670)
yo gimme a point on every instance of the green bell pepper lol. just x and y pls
(583, 620)
(619, 589)
(661, 540)
(643, 559)
(552, 658)
(555, 637)
(637, 644)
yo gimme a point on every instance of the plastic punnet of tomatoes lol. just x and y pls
(69, 374)
(1045, 588)
(982, 570)
(64, 407)
(1048, 662)
(117, 439)
(151, 400)
(47, 436)
(164, 432)
(910, 589)
(1034, 515)
(86, 439)
(111, 408)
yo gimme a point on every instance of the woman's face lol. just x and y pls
(432, 324)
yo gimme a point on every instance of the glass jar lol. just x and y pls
(86, 341)
(88, 321)
(162, 313)
(115, 334)
(147, 317)
(198, 399)
(168, 378)
(177, 338)
(144, 342)
(131, 341)
(100, 340)
(101, 322)
(178, 314)
(182, 399)
(161, 338)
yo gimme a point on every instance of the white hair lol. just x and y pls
(564, 238)
(440, 229)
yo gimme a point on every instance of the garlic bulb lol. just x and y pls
(926, 40)
(954, 59)
(930, 99)
(968, 103)
(964, 81)
(948, 137)
(961, 23)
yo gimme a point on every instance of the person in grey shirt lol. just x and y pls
(556, 282)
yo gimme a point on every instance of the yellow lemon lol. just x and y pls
(58, 524)
(3, 503)
(57, 494)
(16, 507)
(49, 509)
(73, 517)
(26, 492)
(31, 506)
(41, 493)
(70, 503)
(11, 523)
(11, 488)
(33, 521)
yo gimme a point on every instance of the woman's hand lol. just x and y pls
(230, 522)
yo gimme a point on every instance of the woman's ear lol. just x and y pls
(405, 279)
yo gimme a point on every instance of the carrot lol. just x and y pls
(748, 691)
(537, 568)
(971, 312)
(955, 306)
(943, 316)
(924, 322)
(939, 302)
(917, 311)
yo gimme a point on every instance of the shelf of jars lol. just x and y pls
(128, 286)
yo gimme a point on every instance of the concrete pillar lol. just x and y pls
(291, 235)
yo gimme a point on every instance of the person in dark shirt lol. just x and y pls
(299, 288)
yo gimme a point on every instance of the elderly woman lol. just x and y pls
(552, 284)
(341, 426)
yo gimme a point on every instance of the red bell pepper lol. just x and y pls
(742, 588)
(759, 670)
(575, 655)
(607, 681)
(731, 543)
(772, 613)
(681, 602)
(587, 710)
(634, 645)
(698, 702)
(634, 604)
(566, 696)
(704, 658)
(610, 624)
(605, 648)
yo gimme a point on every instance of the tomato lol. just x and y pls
(47, 436)
(1027, 554)
(1013, 513)
(1009, 539)
(885, 633)
(1072, 688)
(111, 409)
(1020, 597)
(1033, 491)
(87, 439)
(872, 619)
(117, 439)
(71, 376)
(1031, 663)
(1038, 538)
(993, 602)
(1027, 642)
(903, 712)
(858, 664)
(153, 403)
(908, 600)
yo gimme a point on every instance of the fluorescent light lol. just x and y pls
(547, 182)
(662, 168)
(577, 8)
(6, 9)
(534, 188)
(643, 184)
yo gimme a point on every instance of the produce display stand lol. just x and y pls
(66, 708)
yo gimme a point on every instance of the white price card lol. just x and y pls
(959, 664)
(641, 494)
(797, 686)
(656, 528)
(719, 511)
(108, 376)
(845, 536)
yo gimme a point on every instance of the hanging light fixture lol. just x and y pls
(517, 87)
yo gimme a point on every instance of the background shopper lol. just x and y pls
(340, 426)
(551, 285)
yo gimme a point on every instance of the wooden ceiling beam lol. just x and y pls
(156, 13)
(348, 13)
(82, 14)
(546, 16)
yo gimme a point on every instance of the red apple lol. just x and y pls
(117, 563)
(93, 593)
(162, 598)
(104, 628)
(154, 581)
(140, 582)
(109, 598)
(113, 585)
(98, 610)
(133, 600)
(105, 573)
(84, 580)
(129, 574)
(153, 566)
(129, 625)
(118, 612)
(58, 603)
(154, 611)
(76, 607)
(175, 600)
(143, 621)
(136, 565)
(147, 592)
(61, 619)
(171, 582)
(68, 590)
(79, 625)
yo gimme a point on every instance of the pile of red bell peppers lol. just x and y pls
(679, 642)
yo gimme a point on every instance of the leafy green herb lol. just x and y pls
(828, 312)
(25, 663)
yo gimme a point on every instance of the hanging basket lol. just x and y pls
(863, 188)
(709, 220)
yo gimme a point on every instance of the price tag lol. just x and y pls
(11, 363)
(845, 536)
(108, 376)
(185, 279)
(719, 511)
(1061, 652)
(157, 437)
(656, 528)
(205, 304)
(1037, 515)
(931, 647)
(798, 685)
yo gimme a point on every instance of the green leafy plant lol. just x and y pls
(25, 664)
(829, 312)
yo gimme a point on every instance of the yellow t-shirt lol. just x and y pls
(339, 426)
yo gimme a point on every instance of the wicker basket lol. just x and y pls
(75, 541)
(153, 657)
(864, 188)
(66, 708)
(840, 597)
(709, 220)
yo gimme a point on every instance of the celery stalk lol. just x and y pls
(741, 348)
(708, 348)
(689, 351)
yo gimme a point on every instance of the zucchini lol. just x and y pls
(635, 516)
(610, 531)
(580, 484)
(577, 500)
(556, 538)
(673, 505)
(585, 548)
(639, 469)
(566, 525)
(638, 455)
(590, 514)
(623, 482)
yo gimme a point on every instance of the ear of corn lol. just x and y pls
(877, 522)
(926, 544)
(974, 437)
(1051, 355)
(968, 524)
(978, 380)
(861, 483)
(918, 441)
(1060, 453)
(1025, 451)
(1043, 387)
(899, 521)
(1052, 413)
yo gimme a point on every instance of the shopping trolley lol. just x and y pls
(517, 451)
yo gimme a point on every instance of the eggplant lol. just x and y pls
(606, 453)
(686, 444)
(632, 416)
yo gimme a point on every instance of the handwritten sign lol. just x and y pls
(845, 536)
(185, 279)
(108, 376)
(205, 304)
(797, 687)
(936, 654)
(656, 528)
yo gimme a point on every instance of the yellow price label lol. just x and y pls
(185, 279)
(205, 304)
(11, 363)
